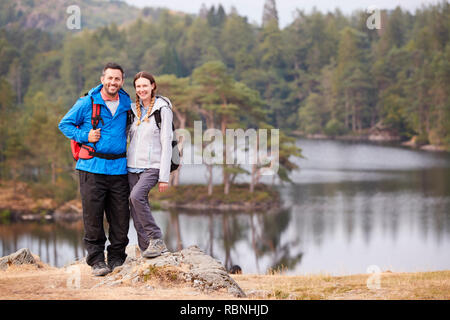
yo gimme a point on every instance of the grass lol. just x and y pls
(393, 286)
(162, 275)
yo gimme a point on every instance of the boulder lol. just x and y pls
(22, 256)
(188, 266)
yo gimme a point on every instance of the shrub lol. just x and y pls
(334, 128)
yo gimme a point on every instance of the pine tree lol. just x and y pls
(270, 13)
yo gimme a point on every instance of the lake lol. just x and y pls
(352, 206)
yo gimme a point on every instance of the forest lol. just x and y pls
(324, 73)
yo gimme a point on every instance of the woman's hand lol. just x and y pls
(163, 186)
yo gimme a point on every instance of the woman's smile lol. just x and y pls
(144, 89)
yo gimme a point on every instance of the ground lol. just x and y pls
(27, 282)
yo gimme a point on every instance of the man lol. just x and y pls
(103, 177)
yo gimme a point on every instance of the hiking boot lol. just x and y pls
(114, 264)
(100, 269)
(156, 247)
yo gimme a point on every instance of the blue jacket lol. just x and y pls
(113, 138)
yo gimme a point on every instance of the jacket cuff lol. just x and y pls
(163, 180)
(84, 136)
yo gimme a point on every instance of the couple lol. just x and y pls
(114, 180)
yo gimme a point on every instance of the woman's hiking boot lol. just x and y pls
(156, 247)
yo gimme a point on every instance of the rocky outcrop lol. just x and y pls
(189, 266)
(20, 257)
(381, 132)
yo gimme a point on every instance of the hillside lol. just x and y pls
(52, 15)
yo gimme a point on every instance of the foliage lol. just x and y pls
(323, 73)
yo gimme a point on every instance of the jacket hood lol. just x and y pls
(95, 93)
(160, 102)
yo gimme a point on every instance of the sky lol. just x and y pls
(253, 8)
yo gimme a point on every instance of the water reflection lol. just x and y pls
(352, 205)
(251, 240)
(56, 244)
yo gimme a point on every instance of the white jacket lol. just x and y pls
(150, 147)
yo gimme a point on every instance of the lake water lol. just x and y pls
(352, 206)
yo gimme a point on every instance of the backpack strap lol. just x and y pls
(95, 118)
(87, 152)
(157, 115)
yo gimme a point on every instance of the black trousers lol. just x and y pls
(105, 194)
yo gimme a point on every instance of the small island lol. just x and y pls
(264, 198)
(18, 204)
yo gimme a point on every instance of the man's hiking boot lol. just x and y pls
(100, 269)
(114, 264)
(156, 247)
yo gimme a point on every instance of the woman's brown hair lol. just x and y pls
(148, 76)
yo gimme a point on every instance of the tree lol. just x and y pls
(310, 115)
(270, 13)
(236, 42)
(182, 96)
(7, 108)
(354, 84)
(15, 153)
(195, 43)
(225, 104)
(43, 139)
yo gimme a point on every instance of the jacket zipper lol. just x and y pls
(137, 146)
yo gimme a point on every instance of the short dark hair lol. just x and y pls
(113, 65)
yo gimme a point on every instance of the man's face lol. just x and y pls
(112, 81)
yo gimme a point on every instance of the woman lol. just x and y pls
(148, 160)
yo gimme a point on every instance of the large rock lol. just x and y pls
(22, 256)
(190, 265)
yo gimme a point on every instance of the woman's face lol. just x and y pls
(144, 88)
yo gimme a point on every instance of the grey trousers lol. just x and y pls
(144, 223)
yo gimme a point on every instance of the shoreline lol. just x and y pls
(19, 207)
(380, 139)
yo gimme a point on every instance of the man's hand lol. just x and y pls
(163, 186)
(94, 135)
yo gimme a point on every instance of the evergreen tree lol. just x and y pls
(270, 13)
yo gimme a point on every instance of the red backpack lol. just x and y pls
(82, 151)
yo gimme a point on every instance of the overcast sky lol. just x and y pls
(253, 8)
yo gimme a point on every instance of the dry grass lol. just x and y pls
(167, 276)
(29, 282)
(401, 286)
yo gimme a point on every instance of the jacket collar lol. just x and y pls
(159, 103)
(124, 98)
